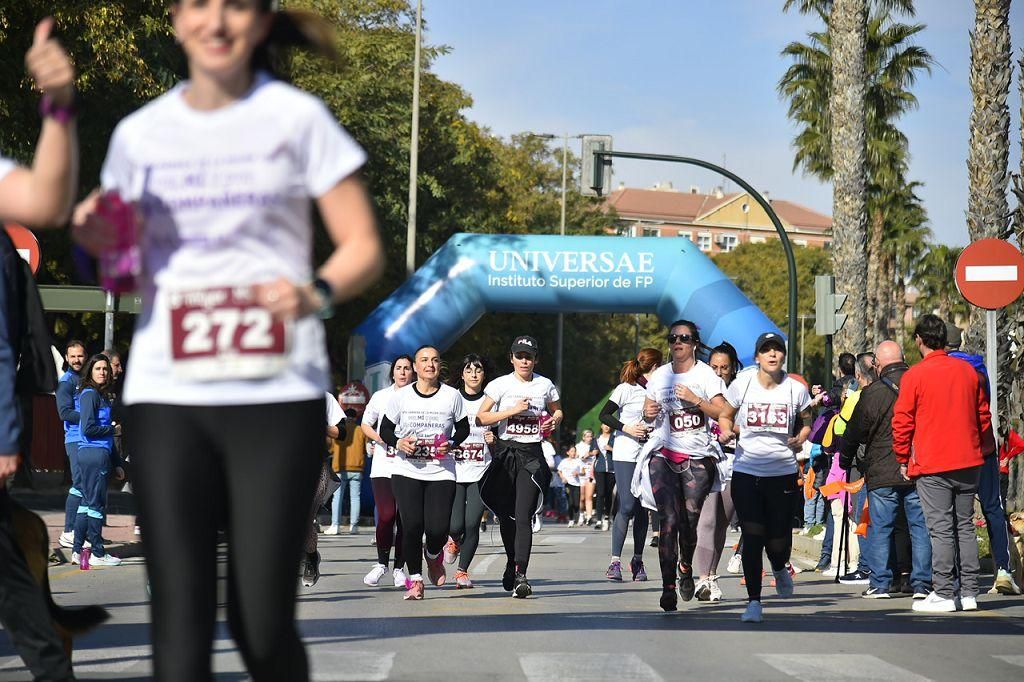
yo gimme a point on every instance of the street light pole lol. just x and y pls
(560, 323)
(414, 147)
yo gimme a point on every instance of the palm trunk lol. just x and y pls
(877, 290)
(847, 30)
(1015, 357)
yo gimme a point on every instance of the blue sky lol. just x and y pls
(696, 78)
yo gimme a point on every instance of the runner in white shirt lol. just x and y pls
(424, 423)
(325, 486)
(586, 451)
(569, 470)
(772, 413)
(514, 484)
(718, 510)
(471, 461)
(389, 522)
(225, 386)
(627, 400)
(682, 461)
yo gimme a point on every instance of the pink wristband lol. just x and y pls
(61, 114)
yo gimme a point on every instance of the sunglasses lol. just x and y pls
(681, 338)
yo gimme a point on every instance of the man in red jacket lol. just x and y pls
(938, 422)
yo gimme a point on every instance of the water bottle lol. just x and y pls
(122, 263)
(439, 440)
(546, 426)
(84, 559)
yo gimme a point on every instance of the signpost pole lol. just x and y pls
(991, 359)
(108, 322)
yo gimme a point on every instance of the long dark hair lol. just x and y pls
(86, 380)
(727, 349)
(473, 359)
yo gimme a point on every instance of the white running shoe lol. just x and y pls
(968, 603)
(353, 529)
(605, 525)
(105, 560)
(1004, 583)
(716, 591)
(536, 523)
(753, 614)
(571, 523)
(67, 539)
(783, 583)
(76, 558)
(401, 580)
(735, 564)
(331, 530)
(376, 573)
(933, 603)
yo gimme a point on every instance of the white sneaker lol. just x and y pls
(580, 519)
(716, 591)
(933, 603)
(968, 603)
(783, 583)
(138, 531)
(376, 573)
(571, 523)
(735, 564)
(76, 558)
(105, 560)
(753, 614)
(605, 525)
(331, 530)
(67, 539)
(1004, 583)
(401, 580)
(536, 523)
(353, 529)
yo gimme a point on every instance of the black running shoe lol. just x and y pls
(654, 541)
(311, 569)
(521, 589)
(668, 598)
(508, 579)
(905, 587)
(687, 588)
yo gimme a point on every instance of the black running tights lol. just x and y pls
(764, 505)
(425, 507)
(465, 522)
(517, 533)
(254, 467)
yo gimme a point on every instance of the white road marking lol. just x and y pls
(1012, 660)
(817, 667)
(486, 563)
(573, 667)
(990, 273)
(332, 665)
(559, 539)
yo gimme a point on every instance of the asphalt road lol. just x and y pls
(578, 626)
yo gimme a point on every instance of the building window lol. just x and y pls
(688, 235)
(704, 241)
(757, 240)
(728, 242)
(649, 231)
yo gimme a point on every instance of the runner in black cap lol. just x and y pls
(514, 483)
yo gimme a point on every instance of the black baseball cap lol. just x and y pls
(769, 338)
(954, 336)
(525, 344)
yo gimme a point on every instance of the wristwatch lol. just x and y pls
(325, 297)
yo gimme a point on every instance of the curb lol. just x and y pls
(123, 550)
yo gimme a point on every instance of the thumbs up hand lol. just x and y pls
(49, 65)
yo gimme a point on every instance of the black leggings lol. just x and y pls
(573, 492)
(255, 467)
(605, 482)
(679, 491)
(466, 534)
(425, 507)
(764, 505)
(517, 533)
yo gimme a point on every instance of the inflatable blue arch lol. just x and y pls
(473, 274)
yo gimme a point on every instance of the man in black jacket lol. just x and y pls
(888, 487)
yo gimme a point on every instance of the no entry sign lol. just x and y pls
(990, 273)
(26, 244)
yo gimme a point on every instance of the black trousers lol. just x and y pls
(604, 484)
(23, 610)
(425, 508)
(764, 505)
(255, 468)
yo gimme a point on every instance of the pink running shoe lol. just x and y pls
(415, 591)
(435, 569)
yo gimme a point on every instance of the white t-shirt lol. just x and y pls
(6, 166)
(474, 455)
(425, 417)
(571, 468)
(586, 465)
(381, 456)
(334, 412)
(630, 399)
(766, 421)
(508, 390)
(225, 197)
(683, 426)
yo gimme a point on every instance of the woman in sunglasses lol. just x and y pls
(772, 411)
(682, 397)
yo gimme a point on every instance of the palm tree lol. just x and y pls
(891, 65)
(936, 284)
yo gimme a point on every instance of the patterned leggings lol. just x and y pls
(679, 491)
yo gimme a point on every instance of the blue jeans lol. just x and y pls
(353, 480)
(995, 515)
(814, 510)
(94, 470)
(863, 542)
(882, 504)
(74, 499)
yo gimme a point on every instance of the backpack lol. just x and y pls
(27, 326)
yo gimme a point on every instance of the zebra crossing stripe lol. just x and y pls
(816, 667)
(1012, 660)
(342, 666)
(571, 667)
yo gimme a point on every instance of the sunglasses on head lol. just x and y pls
(681, 338)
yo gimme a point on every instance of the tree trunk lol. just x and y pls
(887, 299)
(847, 30)
(1015, 357)
(877, 289)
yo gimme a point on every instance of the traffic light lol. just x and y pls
(596, 174)
(827, 318)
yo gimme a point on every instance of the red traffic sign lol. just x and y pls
(990, 273)
(26, 244)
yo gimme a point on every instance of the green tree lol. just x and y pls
(935, 282)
